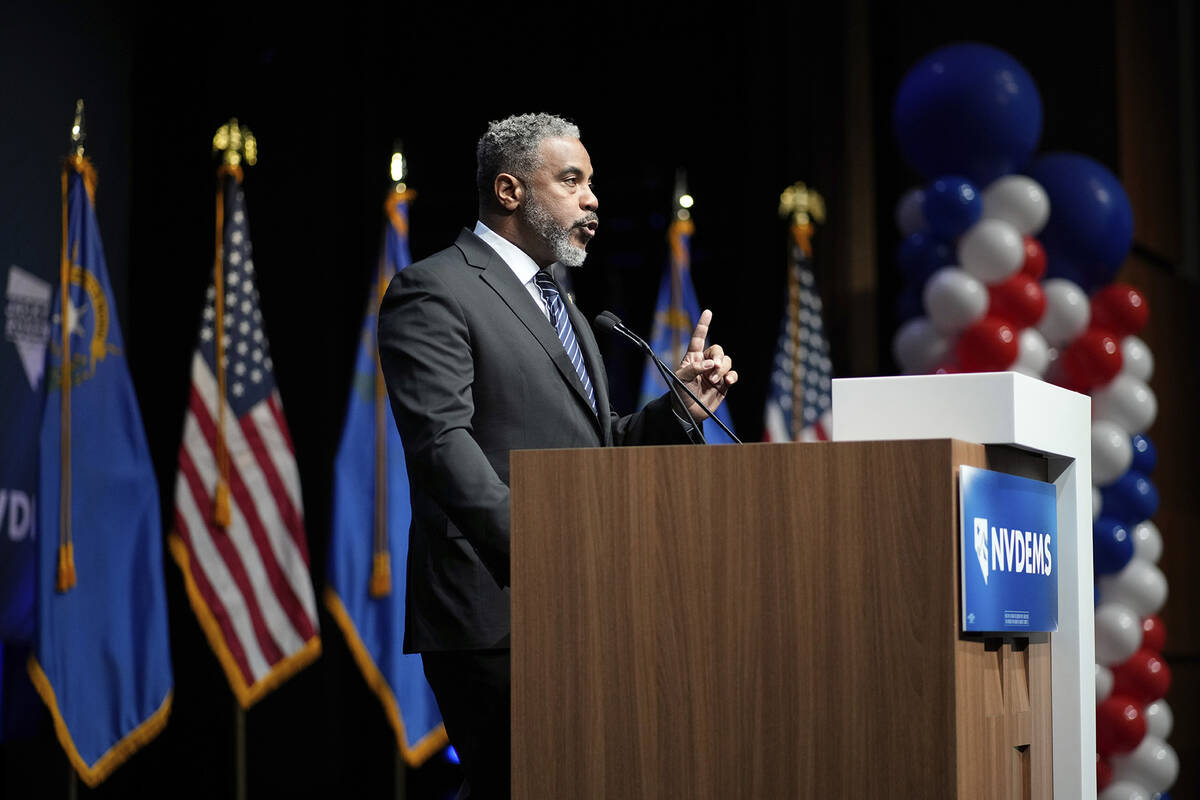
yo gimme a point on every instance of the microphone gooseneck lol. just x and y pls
(609, 321)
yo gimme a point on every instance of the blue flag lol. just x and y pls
(675, 317)
(101, 659)
(368, 546)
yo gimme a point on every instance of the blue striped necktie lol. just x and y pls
(566, 334)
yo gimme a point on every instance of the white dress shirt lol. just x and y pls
(521, 264)
(525, 268)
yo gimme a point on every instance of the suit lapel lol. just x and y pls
(500, 278)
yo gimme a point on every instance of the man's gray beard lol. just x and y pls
(559, 239)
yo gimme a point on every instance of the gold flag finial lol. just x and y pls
(683, 200)
(78, 131)
(801, 204)
(236, 143)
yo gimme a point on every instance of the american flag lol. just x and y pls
(245, 565)
(802, 370)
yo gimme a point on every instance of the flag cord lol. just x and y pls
(66, 546)
(679, 346)
(800, 234)
(381, 562)
(221, 510)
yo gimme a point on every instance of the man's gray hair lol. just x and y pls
(511, 145)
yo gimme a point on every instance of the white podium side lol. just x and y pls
(1012, 409)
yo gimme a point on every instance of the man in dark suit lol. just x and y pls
(483, 353)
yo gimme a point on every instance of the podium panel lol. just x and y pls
(1014, 411)
(769, 620)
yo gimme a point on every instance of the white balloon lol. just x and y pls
(1159, 719)
(919, 347)
(1097, 503)
(1033, 354)
(1136, 358)
(991, 250)
(1112, 452)
(910, 212)
(1067, 312)
(1127, 401)
(1147, 541)
(1104, 683)
(953, 299)
(1123, 790)
(1118, 633)
(1152, 764)
(1019, 201)
(1139, 586)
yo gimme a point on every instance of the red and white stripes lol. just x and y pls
(251, 579)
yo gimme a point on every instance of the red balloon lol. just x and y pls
(1019, 300)
(1119, 308)
(989, 345)
(1103, 773)
(1035, 259)
(1093, 359)
(1154, 634)
(1120, 726)
(1145, 677)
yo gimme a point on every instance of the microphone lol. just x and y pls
(609, 321)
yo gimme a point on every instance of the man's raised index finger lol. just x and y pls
(701, 333)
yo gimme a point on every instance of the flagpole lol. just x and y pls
(400, 193)
(240, 745)
(801, 206)
(65, 578)
(235, 144)
(401, 773)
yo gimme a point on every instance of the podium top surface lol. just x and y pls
(990, 408)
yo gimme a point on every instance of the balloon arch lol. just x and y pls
(1008, 261)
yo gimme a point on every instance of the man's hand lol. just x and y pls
(708, 373)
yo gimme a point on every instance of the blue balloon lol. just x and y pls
(1112, 546)
(1145, 454)
(1090, 229)
(952, 204)
(968, 109)
(921, 255)
(1131, 499)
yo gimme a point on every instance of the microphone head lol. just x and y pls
(606, 321)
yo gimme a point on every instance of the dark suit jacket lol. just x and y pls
(474, 369)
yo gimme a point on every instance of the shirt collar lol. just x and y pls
(517, 260)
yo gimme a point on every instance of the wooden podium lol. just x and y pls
(762, 621)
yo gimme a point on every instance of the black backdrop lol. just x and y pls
(747, 98)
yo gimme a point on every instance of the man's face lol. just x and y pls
(559, 205)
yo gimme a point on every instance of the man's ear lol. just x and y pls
(510, 193)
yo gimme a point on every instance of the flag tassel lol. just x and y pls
(221, 512)
(66, 567)
(381, 575)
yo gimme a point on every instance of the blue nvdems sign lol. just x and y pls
(1009, 543)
